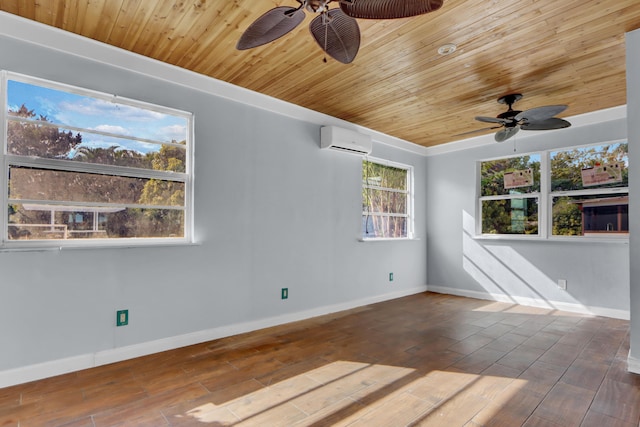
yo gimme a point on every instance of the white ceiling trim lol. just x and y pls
(22, 29)
(601, 116)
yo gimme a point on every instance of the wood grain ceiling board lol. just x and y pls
(552, 51)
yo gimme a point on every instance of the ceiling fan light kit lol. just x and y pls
(335, 30)
(511, 121)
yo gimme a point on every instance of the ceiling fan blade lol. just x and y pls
(388, 9)
(552, 123)
(337, 34)
(492, 120)
(272, 25)
(540, 113)
(506, 133)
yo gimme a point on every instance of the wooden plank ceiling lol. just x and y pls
(553, 51)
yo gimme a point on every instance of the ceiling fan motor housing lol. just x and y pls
(510, 99)
(509, 115)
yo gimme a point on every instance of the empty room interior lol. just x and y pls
(320, 213)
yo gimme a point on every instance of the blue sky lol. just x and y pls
(599, 151)
(97, 114)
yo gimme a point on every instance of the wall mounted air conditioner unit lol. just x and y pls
(345, 140)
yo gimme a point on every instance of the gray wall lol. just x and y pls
(272, 210)
(633, 112)
(597, 273)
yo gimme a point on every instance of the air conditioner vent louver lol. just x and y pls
(345, 140)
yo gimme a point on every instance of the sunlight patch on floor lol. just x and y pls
(344, 392)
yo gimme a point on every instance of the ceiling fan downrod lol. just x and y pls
(314, 6)
(509, 100)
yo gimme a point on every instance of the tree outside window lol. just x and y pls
(83, 165)
(510, 189)
(589, 190)
(386, 200)
(585, 193)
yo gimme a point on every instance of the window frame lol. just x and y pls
(409, 199)
(545, 200)
(12, 160)
(532, 195)
(583, 192)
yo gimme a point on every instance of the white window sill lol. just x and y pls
(489, 237)
(388, 239)
(49, 247)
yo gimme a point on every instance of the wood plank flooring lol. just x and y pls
(422, 360)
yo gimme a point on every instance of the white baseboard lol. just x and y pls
(534, 302)
(633, 365)
(44, 370)
(62, 366)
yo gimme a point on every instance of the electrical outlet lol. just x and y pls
(285, 293)
(562, 283)
(391, 277)
(122, 317)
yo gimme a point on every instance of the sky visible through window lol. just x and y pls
(98, 115)
(597, 153)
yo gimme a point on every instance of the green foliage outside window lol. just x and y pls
(566, 175)
(571, 199)
(567, 218)
(566, 166)
(509, 215)
(148, 214)
(384, 200)
(492, 175)
(27, 139)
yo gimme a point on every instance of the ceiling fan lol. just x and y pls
(511, 121)
(335, 30)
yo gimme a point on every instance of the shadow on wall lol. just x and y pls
(506, 275)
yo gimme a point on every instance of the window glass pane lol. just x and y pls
(590, 167)
(52, 142)
(379, 175)
(53, 185)
(510, 216)
(515, 175)
(382, 201)
(47, 222)
(385, 201)
(594, 215)
(35, 102)
(378, 226)
(86, 165)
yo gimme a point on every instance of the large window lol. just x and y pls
(386, 200)
(577, 192)
(84, 167)
(510, 195)
(589, 191)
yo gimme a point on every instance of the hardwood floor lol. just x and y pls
(423, 360)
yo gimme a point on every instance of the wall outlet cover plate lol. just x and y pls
(122, 317)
